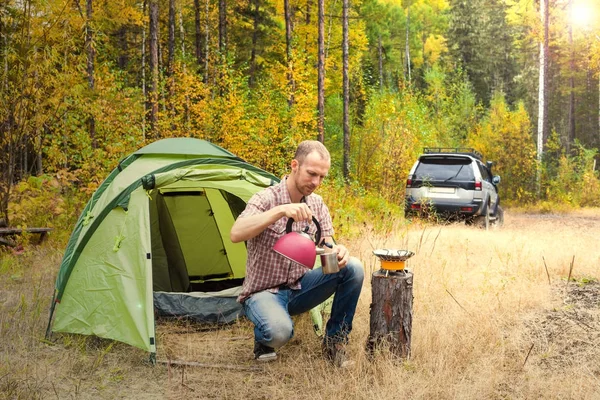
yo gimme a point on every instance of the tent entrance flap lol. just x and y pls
(193, 234)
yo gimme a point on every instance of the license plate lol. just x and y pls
(441, 190)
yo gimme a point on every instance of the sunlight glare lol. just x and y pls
(582, 14)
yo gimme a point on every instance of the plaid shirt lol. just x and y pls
(266, 269)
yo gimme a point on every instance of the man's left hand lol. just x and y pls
(343, 254)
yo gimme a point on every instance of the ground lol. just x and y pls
(510, 313)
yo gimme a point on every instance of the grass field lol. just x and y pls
(494, 318)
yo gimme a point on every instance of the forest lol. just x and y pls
(84, 83)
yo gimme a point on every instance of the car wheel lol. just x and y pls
(486, 218)
(499, 220)
(483, 221)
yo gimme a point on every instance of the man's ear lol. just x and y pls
(295, 165)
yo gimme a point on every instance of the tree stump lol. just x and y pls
(391, 312)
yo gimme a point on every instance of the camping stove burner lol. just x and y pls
(393, 260)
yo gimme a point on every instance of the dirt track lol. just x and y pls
(581, 219)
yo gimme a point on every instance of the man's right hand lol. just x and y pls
(251, 226)
(297, 211)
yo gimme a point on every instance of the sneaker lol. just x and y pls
(264, 353)
(335, 351)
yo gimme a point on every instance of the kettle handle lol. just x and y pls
(290, 222)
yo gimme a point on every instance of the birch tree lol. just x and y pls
(542, 107)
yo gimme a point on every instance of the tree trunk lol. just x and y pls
(181, 30)
(321, 74)
(206, 40)
(198, 36)
(541, 91)
(184, 67)
(380, 59)
(407, 44)
(223, 26)
(124, 48)
(307, 36)
(288, 50)
(170, 84)
(145, 94)
(39, 166)
(4, 53)
(91, 52)
(153, 93)
(346, 90)
(391, 312)
(571, 133)
(171, 39)
(252, 68)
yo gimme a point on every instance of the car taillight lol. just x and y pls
(477, 185)
(409, 181)
(415, 206)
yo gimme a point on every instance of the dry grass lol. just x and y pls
(487, 324)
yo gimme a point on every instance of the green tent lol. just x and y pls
(155, 235)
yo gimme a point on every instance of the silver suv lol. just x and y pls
(454, 183)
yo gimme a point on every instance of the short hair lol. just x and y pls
(308, 146)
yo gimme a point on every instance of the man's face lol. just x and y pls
(308, 176)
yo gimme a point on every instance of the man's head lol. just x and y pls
(309, 167)
(307, 147)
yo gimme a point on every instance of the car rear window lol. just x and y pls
(444, 168)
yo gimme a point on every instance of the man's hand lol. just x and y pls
(249, 227)
(343, 254)
(297, 211)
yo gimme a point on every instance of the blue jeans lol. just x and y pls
(270, 312)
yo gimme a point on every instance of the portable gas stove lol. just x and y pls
(392, 259)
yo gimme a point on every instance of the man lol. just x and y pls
(275, 287)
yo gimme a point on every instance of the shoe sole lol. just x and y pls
(267, 357)
(345, 364)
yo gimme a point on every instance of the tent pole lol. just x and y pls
(52, 305)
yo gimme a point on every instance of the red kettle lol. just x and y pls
(299, 246)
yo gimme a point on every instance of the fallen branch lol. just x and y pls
(205, 365)
(571, 270)
(220, 338)
(434, 241)
(421, 240)
(547, 273)
(453, 298)
(528, 353)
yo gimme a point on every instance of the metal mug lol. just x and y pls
(329, 263)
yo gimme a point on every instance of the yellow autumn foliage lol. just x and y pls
(504, 137)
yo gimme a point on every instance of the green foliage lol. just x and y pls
(238, 96)
(118, 130)
(504, 137)
(384, 148)
(482, 43)
(47, 201)
(354, 208)
(572, 180)
(453, 105)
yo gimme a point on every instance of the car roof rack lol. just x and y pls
(454, 150)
